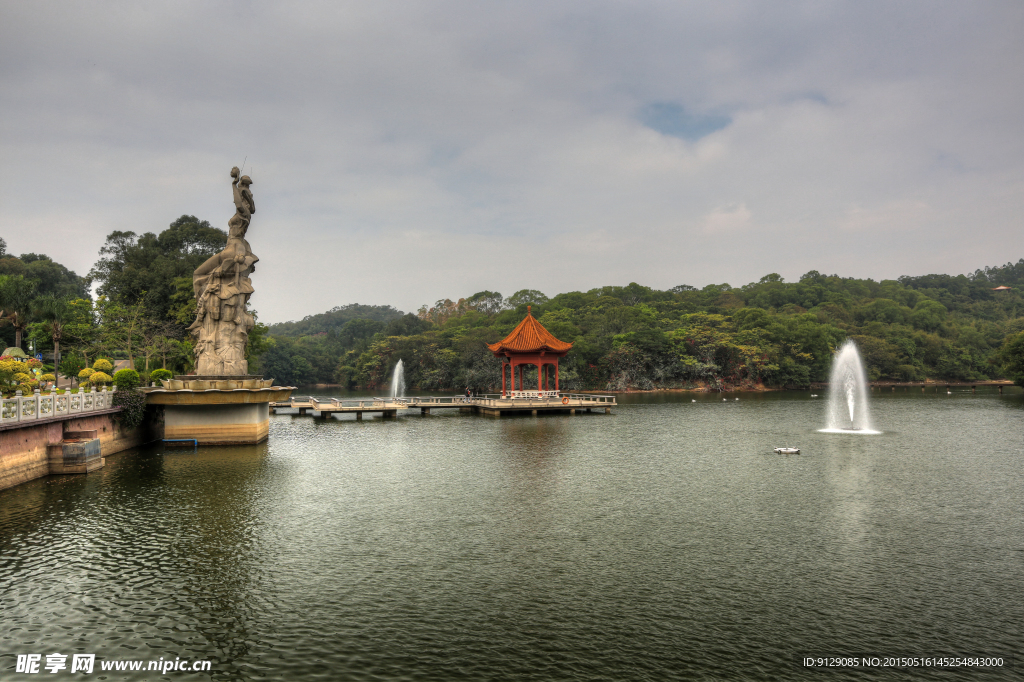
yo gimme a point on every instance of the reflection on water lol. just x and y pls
(665, 541)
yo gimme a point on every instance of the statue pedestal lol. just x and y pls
(218, 416)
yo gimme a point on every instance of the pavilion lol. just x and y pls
(529, 344)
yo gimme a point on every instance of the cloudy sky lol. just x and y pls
(404, 152)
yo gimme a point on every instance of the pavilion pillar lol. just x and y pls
(556, 375)
(540, 376)
(503, 365)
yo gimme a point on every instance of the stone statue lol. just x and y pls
(222, 289)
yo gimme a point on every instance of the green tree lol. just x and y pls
(145, 268)
(487, 302)
(71, 364)
(16, 296)
(1012, 354)
(56, 312)
(121, 328)
(526, 297)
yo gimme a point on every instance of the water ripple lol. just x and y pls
(664, 542)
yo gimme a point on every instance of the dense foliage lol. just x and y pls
(334, 319)
(133, 407)
(143, 268)
(769, 332)
(126, 379)
(160, 375)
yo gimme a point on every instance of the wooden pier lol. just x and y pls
(519, 402)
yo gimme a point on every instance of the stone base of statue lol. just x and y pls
(220, 410)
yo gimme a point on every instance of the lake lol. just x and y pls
(664, 541)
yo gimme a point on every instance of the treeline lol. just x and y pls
(769, 332)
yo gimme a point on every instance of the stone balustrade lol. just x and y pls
(30, 408)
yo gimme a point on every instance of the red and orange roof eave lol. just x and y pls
(529, 337)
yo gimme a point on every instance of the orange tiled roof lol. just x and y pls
(530, 337)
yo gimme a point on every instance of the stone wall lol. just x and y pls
(24, 452)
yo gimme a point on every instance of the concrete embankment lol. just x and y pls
(27, 449)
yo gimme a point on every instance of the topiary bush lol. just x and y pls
(84, 375)
(161, 375)
(103, 365)
(48, 377)
(125, 379)
(99, 379)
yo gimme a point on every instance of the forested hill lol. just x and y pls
(768, 332)
(334, 319)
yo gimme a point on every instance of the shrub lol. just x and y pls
(133, 407)
(22, 377)
(48, 377)
(126, 379)
(33, 363)
(99, 378)
(103, 365)
(85, 374)
(161, 375)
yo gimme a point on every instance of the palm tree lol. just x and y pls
(57, 311)
(16, 295)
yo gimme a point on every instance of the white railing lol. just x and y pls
(30, 408)
(532, 395)
(368, 403)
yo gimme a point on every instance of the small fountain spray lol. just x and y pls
(398, 381)
(848, 394)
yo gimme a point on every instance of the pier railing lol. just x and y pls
(545, 398)
(30, 408)
(427, 401)
(511, 399)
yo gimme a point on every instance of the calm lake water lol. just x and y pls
(665, 541)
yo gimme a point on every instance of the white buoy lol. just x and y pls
(693, 401)
(737, 398)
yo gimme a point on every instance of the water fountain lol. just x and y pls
(398, 381)
(848, 394)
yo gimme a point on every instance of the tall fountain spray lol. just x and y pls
(398, 381)
(848, 394)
